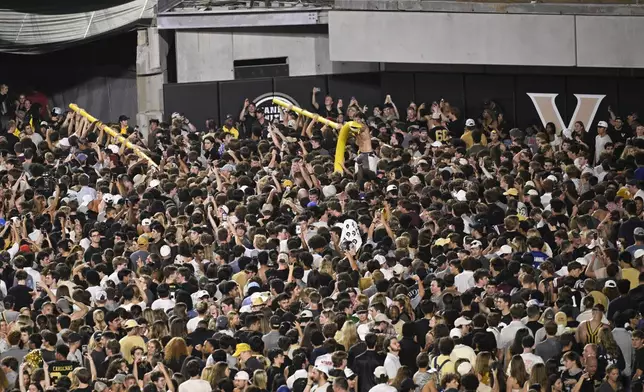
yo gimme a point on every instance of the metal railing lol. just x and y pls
(211, 5)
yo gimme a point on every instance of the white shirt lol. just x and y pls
(324, 387)
(84, 191)
(383, 388)
(191, 325)
(600, 142)
(163, 303)
(530, 359)
(464, 281)
(506, 337)
(35, 275)
(587, 315)
(114, 277)
(392, 364)
(128, 307)
(195, 386)
(462, 351)
(545, 199)
(91, 290)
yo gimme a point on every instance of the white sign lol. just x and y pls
(350, 237)
(587, 106)
(264, 103)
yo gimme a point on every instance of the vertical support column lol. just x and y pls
(151, 74)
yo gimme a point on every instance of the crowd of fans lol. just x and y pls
(481, 259)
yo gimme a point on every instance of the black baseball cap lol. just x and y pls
(275, 322)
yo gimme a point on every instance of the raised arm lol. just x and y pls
(50, 294)
(21, 378)
(167, 376)
(389, 100)
(45, 367)
(242, 114)
(314, 100)
(79, 314)
(92, 366)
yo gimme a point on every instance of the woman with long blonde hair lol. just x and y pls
(215, 373)
(482, 368)
(154, 347)
(160, 315)
(608, 346)
(148, 314)
(348, 334)
(176, 351)
(404, 304)
(260, 379)
(402, 373)
(233, 318)
(539, 375)
(158, 330)
(518, 375)
(326, 267)
(99, 320)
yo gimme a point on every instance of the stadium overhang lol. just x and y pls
(195, 14)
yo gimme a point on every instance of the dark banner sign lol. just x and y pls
(524, 99)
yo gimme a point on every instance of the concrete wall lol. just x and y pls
(491, 39)
(610, 41)
(208, 55)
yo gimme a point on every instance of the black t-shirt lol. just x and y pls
(422, 327)
(57, 369)
(271, 373)
(280, 274)
(639, 360)
(439, 134)
(322, 111)
(91, 251)
(248, 122)
(22, 294)
(85, 389)
(534, 326)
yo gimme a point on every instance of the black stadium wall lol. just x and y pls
(467, 92)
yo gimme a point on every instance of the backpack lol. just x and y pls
(440, 367)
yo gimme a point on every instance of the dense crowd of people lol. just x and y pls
(432, 258)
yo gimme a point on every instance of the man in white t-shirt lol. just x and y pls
(529, 358)
(164, 302)
(382, 381)
(195, 383)
(601, 140)
(202, 310)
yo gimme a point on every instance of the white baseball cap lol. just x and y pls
(455, 333)
(242, 376)
(363, 330)
(602, 124)
(165, 251)
(638, 253)
(380, 371)
(469, 123)
(505, 250)
(461, 321)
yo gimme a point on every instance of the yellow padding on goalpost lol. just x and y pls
(345, 131)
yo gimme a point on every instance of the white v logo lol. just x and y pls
(587, 105)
